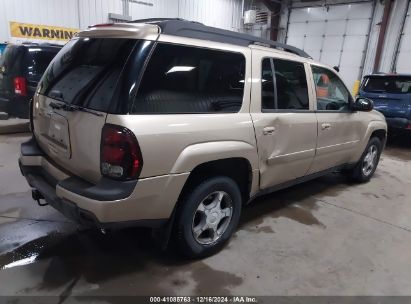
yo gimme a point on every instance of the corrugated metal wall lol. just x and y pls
(82, 13)
(218, 13)
(50, 12)
(96, 11)
(393, 33)
(159, 8)
(402, 63)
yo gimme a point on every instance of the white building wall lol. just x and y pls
(402, 64)
(224, 14)
(159, 9)
(393, 33)
(49, 12)
(336, 35)
(96, 11)
(373, 40)
(388, 62)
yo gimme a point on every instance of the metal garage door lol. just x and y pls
(403, 64)
(335, 35)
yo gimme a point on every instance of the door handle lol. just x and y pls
(325, 126)
(268, 130)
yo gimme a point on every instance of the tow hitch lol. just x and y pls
(37, 196)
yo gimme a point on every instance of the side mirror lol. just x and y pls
(363, 104)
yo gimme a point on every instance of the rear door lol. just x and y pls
(89, 78)
(285, 125)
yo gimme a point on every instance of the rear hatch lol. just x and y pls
(89, 78)
(391, 94)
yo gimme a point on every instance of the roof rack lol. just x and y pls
(192, 29)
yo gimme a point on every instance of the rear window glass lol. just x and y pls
(38, 61)
(181, 79)
(391, 84)
(86, 71)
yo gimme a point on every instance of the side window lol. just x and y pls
(290, 91)
(332, 95)
(181, 79)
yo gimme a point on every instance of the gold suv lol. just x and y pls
(173, 124)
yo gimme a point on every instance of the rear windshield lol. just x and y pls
(87, 71)
(391, 84)
(38, 61)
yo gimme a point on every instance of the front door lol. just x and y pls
(284, 121)
(339, 128)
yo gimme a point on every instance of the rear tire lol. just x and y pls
(366, 166)
(207, 216)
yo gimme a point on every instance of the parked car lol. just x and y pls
(391, 94)
(21, 67)
(177, 125)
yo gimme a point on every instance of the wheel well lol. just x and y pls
(381, 135)
(239, 169)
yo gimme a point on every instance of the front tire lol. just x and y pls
(207, 217)
(368, 162)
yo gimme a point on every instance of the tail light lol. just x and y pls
(120, 153)
(20, 86)
(409, 126)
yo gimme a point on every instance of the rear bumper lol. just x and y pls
(397, 123)
(148, 202)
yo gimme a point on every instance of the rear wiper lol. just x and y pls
(72, 108)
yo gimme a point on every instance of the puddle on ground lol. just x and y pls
(296, 203)
(299, 214)
(210, 279)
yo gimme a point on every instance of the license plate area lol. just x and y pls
(58, 136)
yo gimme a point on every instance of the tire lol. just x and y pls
(202, 227)
(359, 173)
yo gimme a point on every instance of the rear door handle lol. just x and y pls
(325, 126)
(268, 130)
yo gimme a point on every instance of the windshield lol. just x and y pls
(389, 84)
(88, 72)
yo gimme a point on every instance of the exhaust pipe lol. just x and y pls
(37, 196)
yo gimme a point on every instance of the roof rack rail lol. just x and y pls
(193, 29)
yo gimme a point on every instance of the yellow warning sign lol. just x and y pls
(43, 32)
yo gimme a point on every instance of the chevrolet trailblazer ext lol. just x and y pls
(169, 123)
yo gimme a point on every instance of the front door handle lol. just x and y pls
(325, 126)
(268, 130)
